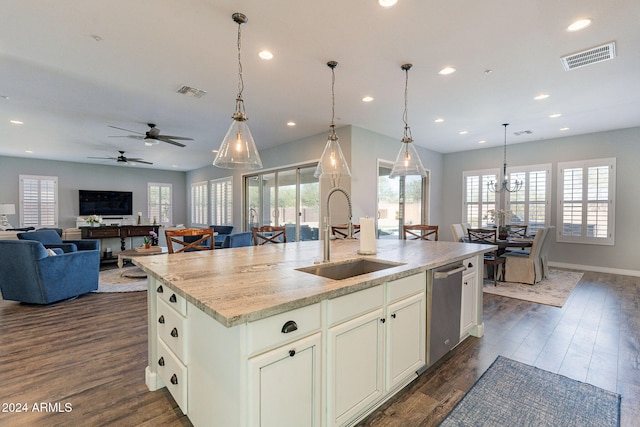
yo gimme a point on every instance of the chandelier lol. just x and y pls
(505, 185)
(238, 149)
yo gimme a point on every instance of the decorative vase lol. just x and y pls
(503, 232)
(147, 245)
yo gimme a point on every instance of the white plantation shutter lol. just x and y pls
(530, 205)
(222, 201)
(38, 201)
(159, 198)
(586, 202)
(478, 199)
(199, 203)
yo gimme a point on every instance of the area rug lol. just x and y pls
(511, 393)
(131, 281)
(552, 291)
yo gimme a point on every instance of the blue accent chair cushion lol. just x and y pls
(29, 274)
(236, 240)
(223, 231)
(51, 239)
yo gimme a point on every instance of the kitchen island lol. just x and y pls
(245, 337)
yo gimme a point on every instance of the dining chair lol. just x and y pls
(204, 240)
(526, 268)
(544, 260)
(458, 232)
(488, 237)
(518, 231)
(269, 234)
(340, 231)
(420, 232)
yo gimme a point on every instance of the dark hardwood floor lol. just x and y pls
(90, 354)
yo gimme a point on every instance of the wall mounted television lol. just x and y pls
(105, 203)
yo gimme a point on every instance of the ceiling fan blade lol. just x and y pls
(165, 139)
(126, 130)
(182, 138)
(103, 158)
(127, 136)
(135, 160)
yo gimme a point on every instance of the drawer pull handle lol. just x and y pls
(292, 353)
(173, 298)
(393, 315)
(470, 265)
(161, 319)
(174, 379)
(383, 320)
(290, 326)
(161, 361)
(174, 333)
(160, 289)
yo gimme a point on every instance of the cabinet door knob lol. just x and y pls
(161, 319)
(383, 320)
(160, 289)
(393, 315)
(292, 353)
(174, 379)
(161, 361)
(470, 265)
(290, 326)
(174, 333)
(173, 298)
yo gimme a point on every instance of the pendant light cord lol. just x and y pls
(405, 115)
(239, 100)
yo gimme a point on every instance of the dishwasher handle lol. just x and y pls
(445, 274)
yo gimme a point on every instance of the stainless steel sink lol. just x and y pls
(345, 270)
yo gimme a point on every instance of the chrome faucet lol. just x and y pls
(327, 222)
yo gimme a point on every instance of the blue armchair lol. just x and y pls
(29, 274)
(236, 240)
(223, 231)
(51, 239)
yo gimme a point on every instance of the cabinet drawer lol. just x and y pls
(407, 286)
(173, 374)
(172, 329)
(349, 306)
(471, 265)
(276, 330)
(172, 299)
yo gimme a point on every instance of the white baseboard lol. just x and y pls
(596, 268)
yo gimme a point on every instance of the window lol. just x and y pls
(159, 199)
(586, 199)
(222, 201)
(39, 201)
(478, 199)
(530, 205)
(199, 203)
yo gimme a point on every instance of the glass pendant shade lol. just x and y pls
(238, 150)
(407, 162)
(332, 163)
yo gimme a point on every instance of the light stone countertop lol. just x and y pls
(240, 285)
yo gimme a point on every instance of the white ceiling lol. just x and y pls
(67, 87)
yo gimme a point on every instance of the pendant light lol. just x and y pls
(332, 162)
(238, 150)
(408, 161)
(505, 186)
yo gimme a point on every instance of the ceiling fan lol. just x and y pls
(122, 159)
(152, 136)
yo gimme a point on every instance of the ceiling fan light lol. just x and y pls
(238, 150)
(151, 141)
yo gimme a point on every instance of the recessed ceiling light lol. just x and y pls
(28, 150)
(16, 122)
(563, 129)
(482, 141)
(463, 132)
(447, 70)
(488, 71)
(4, 97)
(265, 54)
(438, 120)
(291, 124)
(96, 37)
(387, 3)
(367, 99)
(555, 115)
(541, 96)
(579, 24)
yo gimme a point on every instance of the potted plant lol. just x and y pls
(148, 240)
(94, 220)
(502, 218)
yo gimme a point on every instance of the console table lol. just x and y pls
(121, 231)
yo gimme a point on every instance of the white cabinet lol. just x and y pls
(375, 343)
(469, 302)
(285, 386)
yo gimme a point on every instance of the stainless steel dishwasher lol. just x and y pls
(444, 294)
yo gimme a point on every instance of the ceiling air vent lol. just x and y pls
(589, 56)
(192, 91)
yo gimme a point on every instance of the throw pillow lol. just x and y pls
(51, 252)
